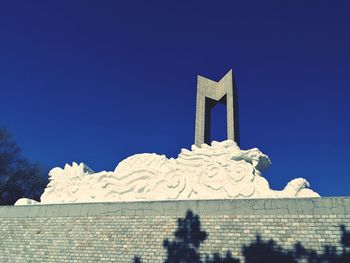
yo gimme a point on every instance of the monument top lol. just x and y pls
(209, 93)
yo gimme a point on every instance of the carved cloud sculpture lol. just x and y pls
(219, 171)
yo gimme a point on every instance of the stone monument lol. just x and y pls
(209, 93)
(84, 228)
(217, 171)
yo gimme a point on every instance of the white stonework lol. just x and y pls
(219, 171)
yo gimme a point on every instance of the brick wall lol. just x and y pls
(116, 232)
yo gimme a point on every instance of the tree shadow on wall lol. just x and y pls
(188, 237)
(269, 251)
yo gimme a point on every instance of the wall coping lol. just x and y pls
(285, 206)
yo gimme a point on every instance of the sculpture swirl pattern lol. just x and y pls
(217, 171)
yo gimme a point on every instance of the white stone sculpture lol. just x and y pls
(219, 171)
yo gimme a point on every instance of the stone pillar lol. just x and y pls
(209, 93)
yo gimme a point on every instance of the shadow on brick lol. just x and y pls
(185, 248)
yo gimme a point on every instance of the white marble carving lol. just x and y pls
(219, 171)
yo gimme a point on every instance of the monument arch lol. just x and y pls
(209, 93)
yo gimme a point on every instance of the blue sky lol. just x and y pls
(98, 81)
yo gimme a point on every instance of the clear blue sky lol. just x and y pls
(97, 81)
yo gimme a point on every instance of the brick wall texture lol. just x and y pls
(116, 232)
